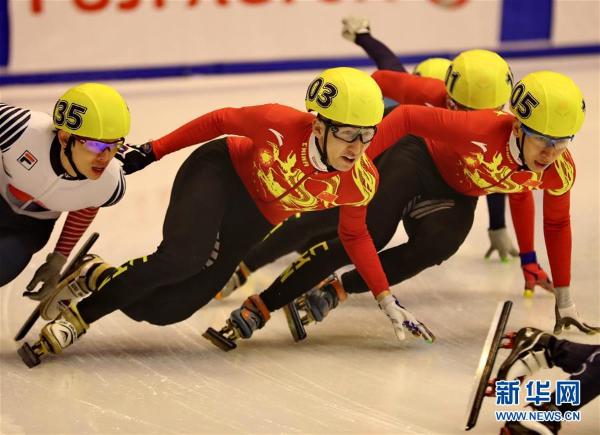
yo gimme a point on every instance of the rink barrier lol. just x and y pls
(264, 66)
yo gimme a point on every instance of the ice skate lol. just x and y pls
(238, 279)
(529, 354)
(74, 287)
(55, 336)
(495, 340)
(252, 315)
(69, 269)
(314, 306)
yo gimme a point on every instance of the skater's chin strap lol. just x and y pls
(323, 151)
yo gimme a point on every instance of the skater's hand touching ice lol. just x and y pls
(500, 241)
(402, 320)
(49, 274)
(352, 26)
(569, 316)
(135, 157)
(535, 275)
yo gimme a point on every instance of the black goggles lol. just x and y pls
(349, 133)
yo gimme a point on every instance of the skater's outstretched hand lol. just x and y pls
(535, 275)
(352, 26)
(402, 320)
(135, 157)
(569, 316)
(49, 274)
(500, 241)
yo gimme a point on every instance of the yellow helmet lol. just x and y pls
(479, 79)
(549, 103)
(346, 95)
(434, 67)
(92, 110)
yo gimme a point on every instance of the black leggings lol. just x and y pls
(211, 223)
(437, 220)
(20, 237)
(582, 361)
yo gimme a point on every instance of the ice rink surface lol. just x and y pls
(350, 376)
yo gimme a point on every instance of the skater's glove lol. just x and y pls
(402, 320)
(500, 241)
(135, 157)
(567, 316)
(352, 26)
(534, 274)
(49, 274)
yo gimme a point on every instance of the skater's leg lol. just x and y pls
(569, 356)
(430, 240)
(176, 302)
(20, 238)
(588, 374)
(198, 201)
(291, 235)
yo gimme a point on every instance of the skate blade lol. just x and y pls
(486, 362)
(294, 322)
(29, 356)
(223, 343)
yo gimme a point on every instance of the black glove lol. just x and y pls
(135, 157)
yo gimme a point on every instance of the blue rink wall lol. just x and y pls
(131, 39)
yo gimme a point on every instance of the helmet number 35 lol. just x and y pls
(523, 101)
(322, 92)
(69, 114)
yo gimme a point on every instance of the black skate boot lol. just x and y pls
(238, 279)
(55, 336)
(533, 427)
(529, 353)
(252, 315)
(314, 306)
(75, 286)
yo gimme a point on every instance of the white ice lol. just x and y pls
(350, 375)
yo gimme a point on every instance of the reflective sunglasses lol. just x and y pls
(349, 133)
(98, 146)
(547, 141)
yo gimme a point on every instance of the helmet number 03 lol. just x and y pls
(69, 114)
(523, 101)
(324, 98)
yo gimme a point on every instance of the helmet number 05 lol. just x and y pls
(325, 98)
(69, 115)
(523, 101)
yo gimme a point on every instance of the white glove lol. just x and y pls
(403, 320)
(352, 26)
(567, 316)
(500, 241)
(49, 274)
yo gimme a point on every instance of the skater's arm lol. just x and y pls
(380, 53)
(75, 225)
(449, 127)
(522, 210)
(359, 246)
(13, 123)
(410, 89)
(236, 121)
(557, 234)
